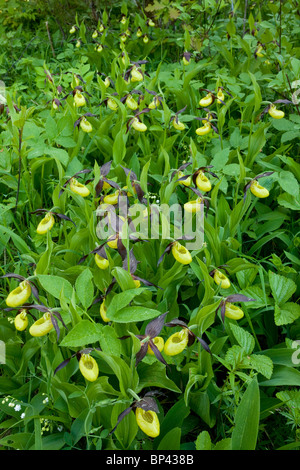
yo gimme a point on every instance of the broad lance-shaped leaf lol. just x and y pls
(245, 431)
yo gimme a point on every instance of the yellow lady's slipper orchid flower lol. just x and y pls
(112, 104)
(128, 193)
(103, 310)
(99, 48)
(88, 367)
(221, 279)
(85, 125)
(207, 100)
(95, 34)
(137, 283)
(54, 105)
(78, 44)
(202, 182)
(233, 312)
(107, 82)
(186, 182)
(123, 19)
(138, 125)
(136, 75)
(113, 243)
(21, 321)
(181, 254)
(72, 30)
(178, 125)
(42, 326)
(154, 103)
(148, 422)
(193, 206)
(220, 96)
(185, 61)
(45, 224)
(123, 37)
(159, 343)
(275, 113)
(112, 198)
(207, 119)
(145, 39)
(79, 188)
(176, 343)
(151, 23)
(131, 103)
(101, 28)
(101, 262)
(19, 295)
(259, 51)
(204, 129)
(139, 32)
(258, 190)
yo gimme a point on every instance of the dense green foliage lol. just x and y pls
(235, 384)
